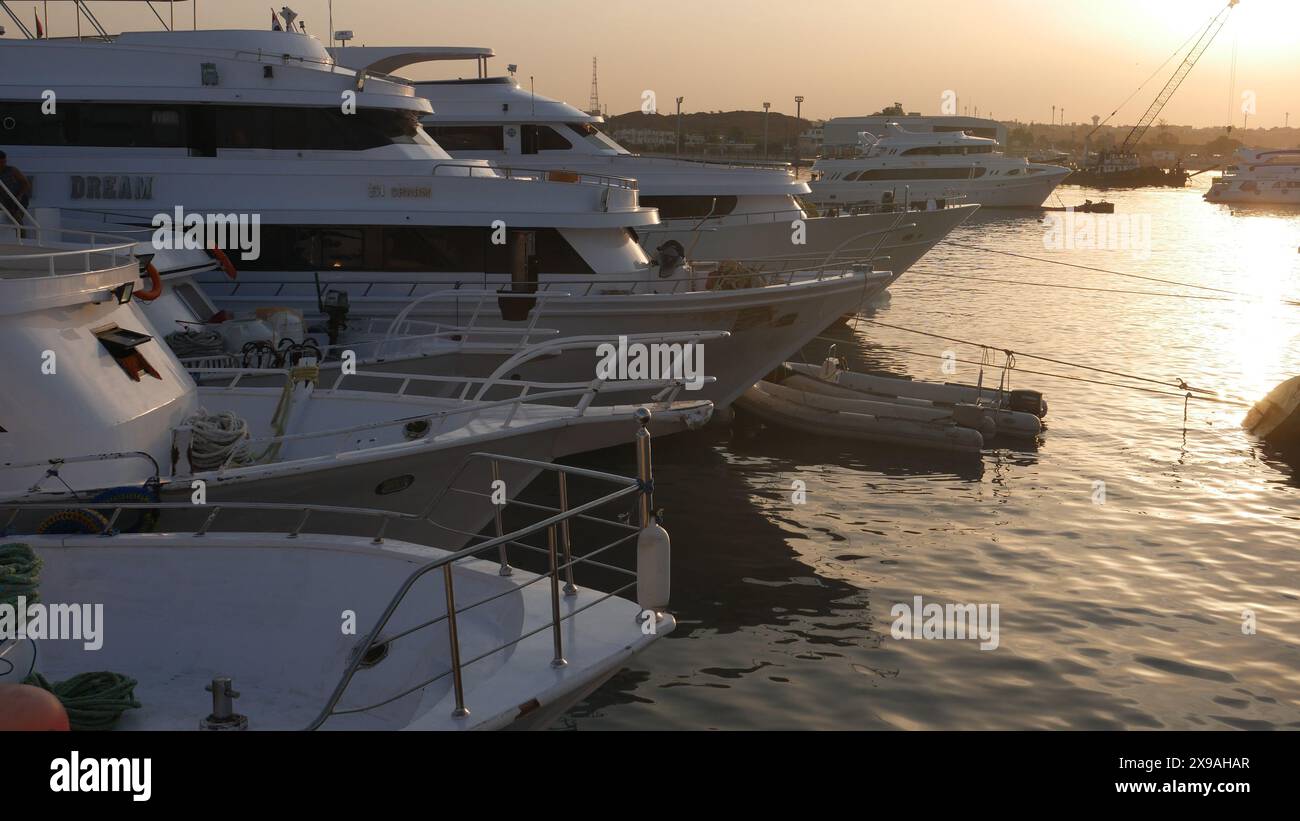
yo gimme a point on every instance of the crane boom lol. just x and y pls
(1153, 111)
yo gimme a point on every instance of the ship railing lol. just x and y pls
(381, 338)
(54, 258)
(703, 277)
(557, 525)
(553, 175)
(58, 260)
(562, 556)
(762, 165)
(53, 467)
(429, 424)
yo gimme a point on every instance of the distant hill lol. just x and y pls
(715, 126)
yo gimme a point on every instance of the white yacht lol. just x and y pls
(901, 165)
(228, 628)
(96, 406)
(365, 209)
(1259, 176)
(714, 210)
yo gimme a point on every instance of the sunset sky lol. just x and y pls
(1014, 59)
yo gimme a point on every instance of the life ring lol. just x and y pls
(224, 260)
(155, 285)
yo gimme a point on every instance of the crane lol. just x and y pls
(1202, 43)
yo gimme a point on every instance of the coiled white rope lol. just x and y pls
(219, 439)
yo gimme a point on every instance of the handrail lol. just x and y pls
(57, 462)
(555, 522)
(638, 486)
(540, 301)
(552, 175)
(570, 343)
(602, 286)
(587, 392)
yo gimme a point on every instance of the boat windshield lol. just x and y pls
(596, 138)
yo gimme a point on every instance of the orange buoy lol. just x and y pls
(24, 707)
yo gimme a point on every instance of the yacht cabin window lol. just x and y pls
(593, 135)
(687, 207)
(206, 128)
(432, 248)
(534, 138)
(455, 138)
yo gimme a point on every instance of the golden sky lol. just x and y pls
(1014, 59)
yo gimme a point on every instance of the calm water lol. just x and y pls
(1126, 614)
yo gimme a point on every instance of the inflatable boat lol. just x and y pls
(1014, 414)
(872, 421)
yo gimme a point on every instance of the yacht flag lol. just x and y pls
(40, 30)
(275, 22)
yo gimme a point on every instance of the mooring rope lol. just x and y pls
(93, 701)
(1235, 295)
(1177, 383)
(1187, 390)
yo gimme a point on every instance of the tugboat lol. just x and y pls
(1115, 169)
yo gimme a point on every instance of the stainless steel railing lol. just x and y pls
(560, 556)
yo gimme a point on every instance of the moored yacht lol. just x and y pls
(1259, 176)
(96, 406)
(901, 165)
(347, 199)
(444, 638)
(715, 210)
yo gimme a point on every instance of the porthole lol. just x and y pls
(416, 429)
(395, 484)
(374, 654)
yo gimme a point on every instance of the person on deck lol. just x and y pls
(18, 189)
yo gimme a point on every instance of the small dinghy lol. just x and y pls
(1088, 207)
(1276, 417)
(870, 421)
(995, 412)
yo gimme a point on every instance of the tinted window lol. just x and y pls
(918, 174)
(690, 207)
(205, 128)
(438, 249)
(455, 138)
(534, 138)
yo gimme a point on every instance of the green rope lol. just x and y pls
(93, 701)
(20, 573)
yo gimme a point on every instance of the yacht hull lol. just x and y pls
(893, 241)
(1009, 192)
(767, 325)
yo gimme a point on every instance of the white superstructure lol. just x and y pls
(353, 198)
(715, 210)
(1259, 176)
(904, 165)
